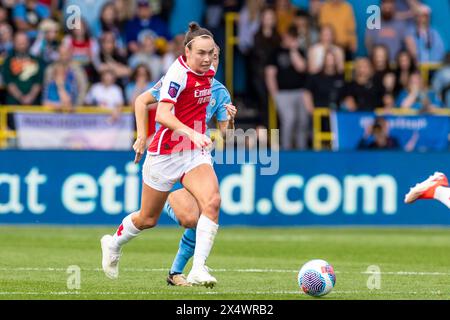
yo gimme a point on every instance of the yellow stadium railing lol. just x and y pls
(319, 135)
(273, 117)
(231, 40)
(6, 134)
(425, 70)
(348, 71)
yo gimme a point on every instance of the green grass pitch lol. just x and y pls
(249, 263)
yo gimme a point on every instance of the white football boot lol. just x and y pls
(110, 259)
(425, 189)
(200, 277)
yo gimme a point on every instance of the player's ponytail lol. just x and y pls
(195, 31)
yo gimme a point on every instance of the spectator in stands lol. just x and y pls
(166, 8)
(285, 79)
(249, 23)
(144, 20)
(379, 57)
(6, 41)
(405, 10)
(140, 82)
(417, 97)
(363, 93)
(441, 81)
(266, 42)
(430, 47)
(28, 14)
(405, 66)
(90, 11)
(47, 42)
(307, 35)
(147, 55)
(61, 92)
(54, 6)
(393, 33)
(285, 15)
(316, 54)
(376, 136)
(22, 73)
(175, 49)
(326, 88)
(314, 12)
(125, 10)
(3, 14)
(109, 23)
(213, 14)
(106, 94)
(73, 71)
(339, 14)
(383, 74)
(109, 58)
(83, 47)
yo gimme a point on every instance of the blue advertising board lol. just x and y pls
(305, 188)
(429, 132)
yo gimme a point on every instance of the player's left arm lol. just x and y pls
(226, 112)
(229, 123)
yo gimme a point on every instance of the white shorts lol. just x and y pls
(161, 172)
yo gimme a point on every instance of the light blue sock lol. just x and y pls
(170, 212)
(185, 251)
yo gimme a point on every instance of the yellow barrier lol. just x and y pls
(230, 41)
(273, 116)
(319, 135)
(425, 70)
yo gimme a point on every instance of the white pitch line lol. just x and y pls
(399, 273)
(150, 293)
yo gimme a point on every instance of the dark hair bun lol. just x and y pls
(194, 26)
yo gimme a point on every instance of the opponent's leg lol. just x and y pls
(202, 183)
(151, 206)
(183, 209)
(185, 252)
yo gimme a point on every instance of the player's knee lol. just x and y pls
(213, 204)
(189, 221)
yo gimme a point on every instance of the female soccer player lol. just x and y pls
(181, 205)
(178, 151)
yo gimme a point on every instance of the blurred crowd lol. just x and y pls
(300, 56)
(294, 52)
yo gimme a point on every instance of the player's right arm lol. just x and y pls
(140, 111)
(166, 118)
(141, 104)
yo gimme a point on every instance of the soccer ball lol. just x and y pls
(316, 278)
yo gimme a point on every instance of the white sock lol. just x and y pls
(443, 195)
(126, 231)
(206, 232)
